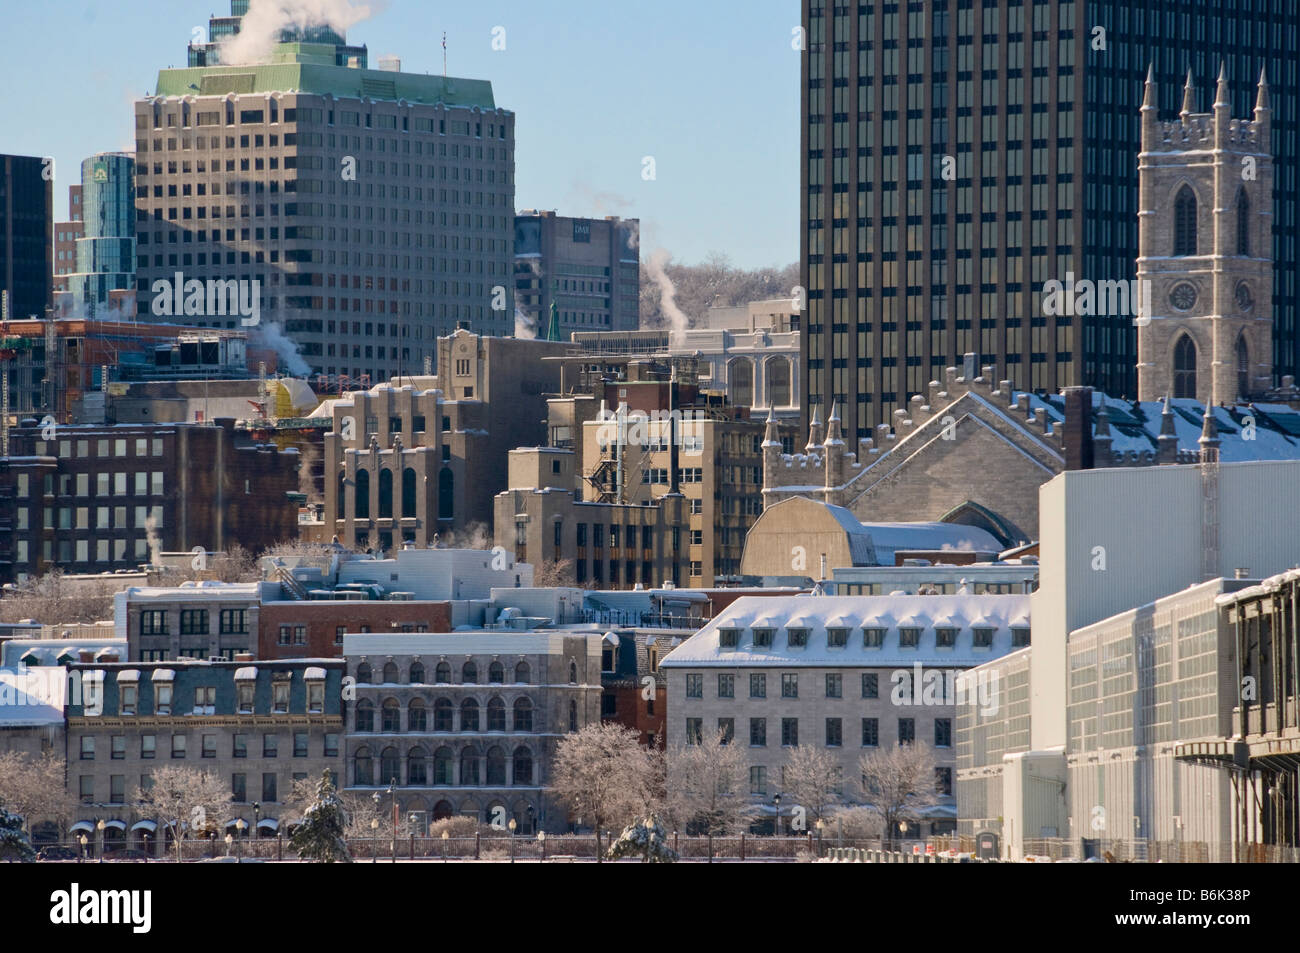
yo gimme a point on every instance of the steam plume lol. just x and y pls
(260, 29)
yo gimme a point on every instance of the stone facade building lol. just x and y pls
(466, 723)
(839, 672)
(1206, 250)
(408, 460)
(259, 726)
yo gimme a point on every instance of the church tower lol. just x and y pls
(1205, 233)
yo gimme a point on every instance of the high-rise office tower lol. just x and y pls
(374, 208)
(26, 236)
(959, 155)
(105, 249)
(589, 268)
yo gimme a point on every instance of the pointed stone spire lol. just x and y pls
(815, 429)
(1101, 439)
(1167, 420)
(771, 437)
(1103, 422)
(1221, 94)
(1189, 96)
(1209, 440)
(1261, 95)
(834, 435)
(1149, 88)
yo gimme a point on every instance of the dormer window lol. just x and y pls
(983, 638)
(245, 697)
(837, 638)
(797, 638)
(728, 638)
(280, 697)
(1019, 637)
(945, 637)
(873, 638)
(909, 637)
(763, 638)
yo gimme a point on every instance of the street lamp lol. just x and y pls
(82, 855)
(392, 791)
(411, 819)
(776, 802)
(374, 840)
(512, 826)
(230, 839)
(821, 826)
(99, 826)
(541, 839)
(445, 838)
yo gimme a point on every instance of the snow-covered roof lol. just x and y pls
(816, 613)
(15, 653)
(194, 591)
(32, 697)
(887, 538)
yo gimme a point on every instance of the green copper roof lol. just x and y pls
(309, 69)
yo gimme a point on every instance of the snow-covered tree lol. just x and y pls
(34, 788)
(320, 835)
(812, 780)
(183, 800)
(14, 842)
(898, 783)
(708, 787)
(605, 776)
(644, 838)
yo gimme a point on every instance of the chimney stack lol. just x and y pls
(1078, 428)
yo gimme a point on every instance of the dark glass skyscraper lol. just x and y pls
(958, 155)
(26, 236)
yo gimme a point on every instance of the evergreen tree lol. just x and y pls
(319, 837)
(14, 844)
(646, 838)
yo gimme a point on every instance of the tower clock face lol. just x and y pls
(1183, 297)
(1245, 301)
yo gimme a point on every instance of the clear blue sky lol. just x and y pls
(709, 88)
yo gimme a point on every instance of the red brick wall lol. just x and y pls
(630, 712)
(323, 619)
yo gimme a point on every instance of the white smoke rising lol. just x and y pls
(155, 540)
(259, 31)
(525, 326)
(654, 265)
(268, 334)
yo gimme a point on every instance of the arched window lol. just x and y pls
(365, 715)
(573, 715)
(408, 493)
(363, 673)
(469, 715)
(390, 767)
(442, 810)
(523, 714)
(385, 494)
(443, 761)
(778, 382)
(417, 767)
(742, 383)
(392, 715)
(342, 499)
(496, 715)
(1185, 222)
(446, 494)
(363, 495)
(522, 673)
(442, 673)
(1243, 368)
(573, 673)
(363, 771)
(1243, 223)
(469, 673)
(442, 714)
(391, 675)
(1185, 367)
(496, 766)
(469, 762)
(417, 673)
(415, 716)
(496, 673)
(523, 766)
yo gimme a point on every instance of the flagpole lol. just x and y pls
(444, 54)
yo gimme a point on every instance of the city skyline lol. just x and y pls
(688, 208)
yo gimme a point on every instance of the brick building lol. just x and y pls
(91, 499)
(314, 629)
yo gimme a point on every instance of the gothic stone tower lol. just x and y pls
(1205, 245)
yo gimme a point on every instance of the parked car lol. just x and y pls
(58, 853)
